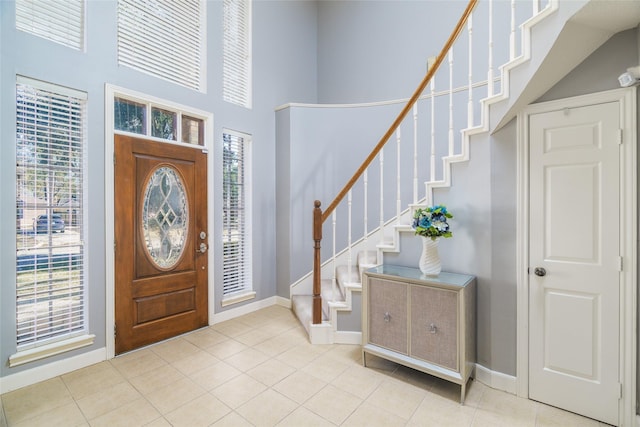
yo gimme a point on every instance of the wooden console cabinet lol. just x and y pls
(427, 323)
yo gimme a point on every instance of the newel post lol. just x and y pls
(317, 237)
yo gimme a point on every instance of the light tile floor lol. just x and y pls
(260, 370)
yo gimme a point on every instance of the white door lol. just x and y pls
(574, 263)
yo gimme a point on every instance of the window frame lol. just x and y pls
(246, 290)
(40, 21)
(237, 87)
(39, 349)
(184, 63)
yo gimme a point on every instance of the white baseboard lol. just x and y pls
(51, 370)
(244, 309)
(284, 302)
(347, 337)
(496, 380)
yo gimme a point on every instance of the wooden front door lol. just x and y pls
(161, 241)
(575, 263)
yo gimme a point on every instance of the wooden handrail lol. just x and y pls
(319, 217)
(416, 94)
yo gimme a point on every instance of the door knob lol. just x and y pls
(203, 248)
(539, 271)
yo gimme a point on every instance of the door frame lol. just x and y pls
(111, 92)
(628, 237)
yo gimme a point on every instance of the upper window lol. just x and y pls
(237, 52)
(164, 38)
(61, 21)
(50, 240)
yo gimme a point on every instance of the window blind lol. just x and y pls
(50, 264)
(164, 38)
(61, 21)
(237, 52)
(235, 234)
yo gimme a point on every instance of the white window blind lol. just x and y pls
(50, 268)
(236, 217)
(237, 52)
(61, 21)
(164, 38)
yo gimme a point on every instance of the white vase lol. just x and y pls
(430, 259)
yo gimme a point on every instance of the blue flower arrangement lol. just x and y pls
(432, 222)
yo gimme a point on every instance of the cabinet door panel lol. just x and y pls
(434, 326)
(388, 314)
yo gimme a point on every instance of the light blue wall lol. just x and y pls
(284, 70)
(378, 50)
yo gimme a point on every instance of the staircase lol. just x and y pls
(521, 80)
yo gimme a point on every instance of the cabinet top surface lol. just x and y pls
(414, 274)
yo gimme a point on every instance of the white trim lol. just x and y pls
(321, 333)
(283, 302)
(235, 299)
(495, 380)
(51, 370)
(111, 92)
(347, 337)
(388, 102)
(51, 87)
(41, 352)
(628, 241)
(245, 309)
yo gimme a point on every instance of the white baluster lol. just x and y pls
(490, 72)
(470, 102)
(350, 261)
(382, 196)
(333, 262)
(512, 36)
(365, 178)
(451, 102)
(398, 196)
(433, 131)
(415, 152)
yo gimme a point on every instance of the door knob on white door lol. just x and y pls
(539, 271)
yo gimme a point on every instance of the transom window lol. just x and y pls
(147, 118)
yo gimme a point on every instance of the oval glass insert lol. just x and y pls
(165, 217)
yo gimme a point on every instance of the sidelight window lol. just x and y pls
(51, 292)
(236, 216)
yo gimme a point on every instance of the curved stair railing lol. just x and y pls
(470, 102)
(320, 216)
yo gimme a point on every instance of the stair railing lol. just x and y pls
(320, 216)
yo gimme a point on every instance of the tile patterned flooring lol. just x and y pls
(260, 370)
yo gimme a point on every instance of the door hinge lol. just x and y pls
(115, 330)
(619, 136)
(620, 391)
(620, 265)
(114, 159)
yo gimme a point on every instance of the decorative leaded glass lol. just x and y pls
(163, 124)
(165, 217)
(129, 116)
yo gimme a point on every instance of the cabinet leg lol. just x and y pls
(364, 358)
(463, 392)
